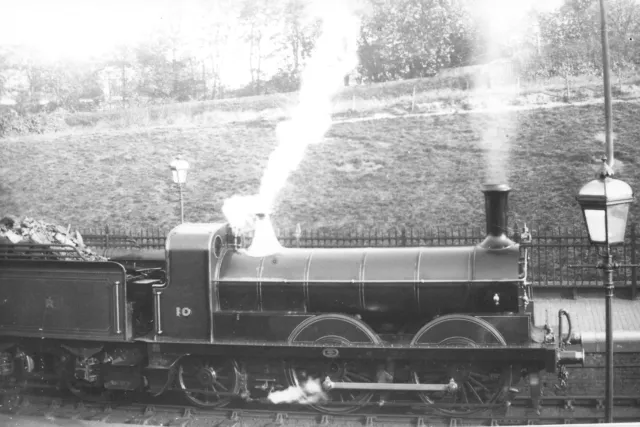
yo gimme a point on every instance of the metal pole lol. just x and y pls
(634, 262)
(181, 204)
(607, 85)
(608, 268)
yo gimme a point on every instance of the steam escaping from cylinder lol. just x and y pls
(309, 393)
(335, 56)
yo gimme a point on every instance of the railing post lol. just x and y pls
(634, 269)
(403, 236)
(106, 236)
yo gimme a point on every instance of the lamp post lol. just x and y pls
(607, 84)
(179, 168)
(605, 204)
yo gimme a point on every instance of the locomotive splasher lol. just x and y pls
(449, 325)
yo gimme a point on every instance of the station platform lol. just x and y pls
(588, 320)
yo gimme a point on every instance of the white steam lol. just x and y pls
(311, 392)
(335, 56)
(241, 212)
(506, 26)
(264, 241)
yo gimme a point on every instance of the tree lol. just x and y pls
(4, 65)
(122, 62)
(570, 35)
(298, 37)
(216, 28)
(623, 23)
(154, 69)
(257, 16)
(411, 38)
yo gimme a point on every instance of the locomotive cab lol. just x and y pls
(183, 305)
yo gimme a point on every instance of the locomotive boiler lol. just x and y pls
(450, 326)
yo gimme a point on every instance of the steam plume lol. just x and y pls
(310, 392)
(505, 25)
(241, 212)
(335, 55)
(265, 241)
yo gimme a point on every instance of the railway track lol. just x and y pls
(155, 412)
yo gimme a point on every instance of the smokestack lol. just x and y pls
(264, 241)
(496, 197)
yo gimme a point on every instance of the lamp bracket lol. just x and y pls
(606, 171)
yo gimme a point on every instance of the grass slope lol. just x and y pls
(417, 171)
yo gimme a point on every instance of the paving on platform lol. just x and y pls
(588, 314)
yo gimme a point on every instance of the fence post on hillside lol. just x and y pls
(634, 269)
(106, 236)
(413, 98)
(403, 236)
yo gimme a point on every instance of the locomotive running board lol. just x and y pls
(339, 385)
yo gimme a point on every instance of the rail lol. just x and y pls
(555, 410)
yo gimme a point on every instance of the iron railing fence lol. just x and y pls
(551, 251)
(112, 237)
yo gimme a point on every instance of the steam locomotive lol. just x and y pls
(451, 327)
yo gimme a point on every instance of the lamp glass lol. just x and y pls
(179, 168)
(596, 223)
(617, 222)
(605, 204)
(179, 176)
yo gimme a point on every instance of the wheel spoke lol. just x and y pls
(220, 386)
(352, 375)
(464, 394)
(479, 384)
(475, 393)
(480, 376)
(206, 394)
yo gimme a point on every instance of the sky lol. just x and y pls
(76, 28)
(79, 29)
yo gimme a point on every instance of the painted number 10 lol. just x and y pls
(183, 311)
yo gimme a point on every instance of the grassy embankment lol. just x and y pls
(399, 171)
